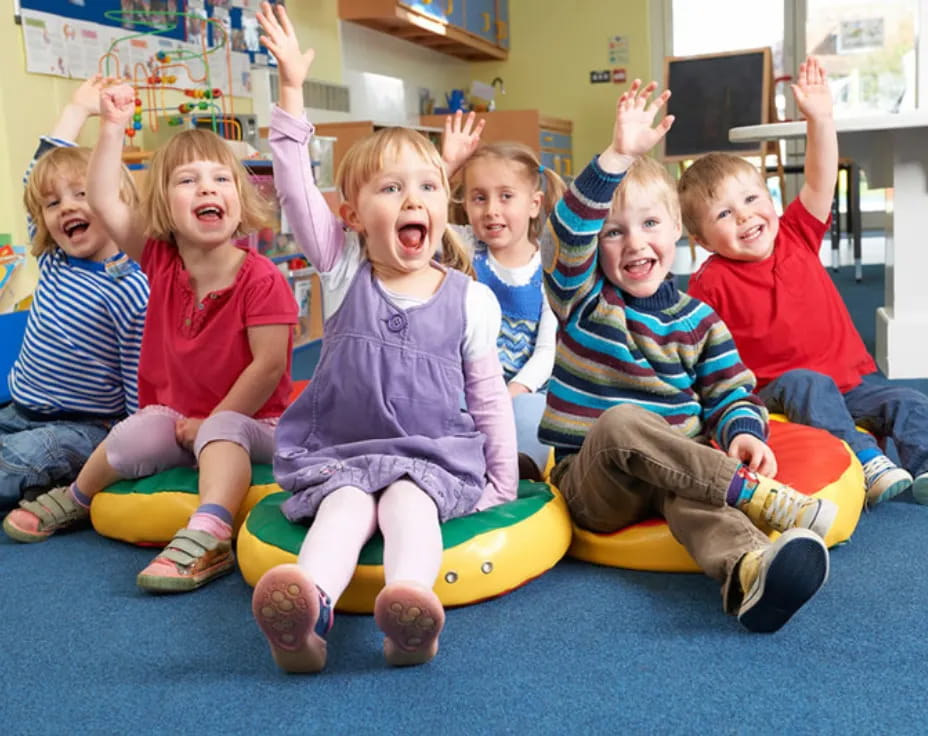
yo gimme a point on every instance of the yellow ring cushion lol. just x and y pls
(148, 511)
(810, 460)
(487, 553)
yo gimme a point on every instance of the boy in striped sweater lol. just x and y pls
(645, 376)
(77, 370)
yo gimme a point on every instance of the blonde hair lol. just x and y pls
(366, 158)
(647, 180)
(699, 183)
(184, 148)
(541, 178)
(70, 164)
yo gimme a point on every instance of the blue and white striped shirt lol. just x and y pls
(80, 352)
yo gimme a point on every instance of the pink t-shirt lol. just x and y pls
(192, 352)
(785, 312)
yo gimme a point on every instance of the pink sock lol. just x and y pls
(211, 524)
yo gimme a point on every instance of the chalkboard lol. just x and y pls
(712, 94)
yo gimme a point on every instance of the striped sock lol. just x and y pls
(213, 519)
(742, 486)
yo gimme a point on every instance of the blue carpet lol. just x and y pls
(583, 649)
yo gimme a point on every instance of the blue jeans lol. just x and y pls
(42, 454)
(882, 408)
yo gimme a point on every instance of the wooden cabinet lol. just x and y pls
(550, 138)
(475, 30)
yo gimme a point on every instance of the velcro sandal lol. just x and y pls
(191, 559)
(36, 521)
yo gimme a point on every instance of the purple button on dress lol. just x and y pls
(384, 404)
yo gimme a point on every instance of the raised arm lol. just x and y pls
(292, 64)
(84, 103)
(318, 231)
(104, 175)
(821, 165)
(569, 258)
(460, 140)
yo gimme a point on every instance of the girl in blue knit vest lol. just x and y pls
(507, 194)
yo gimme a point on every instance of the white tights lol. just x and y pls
(346, 519)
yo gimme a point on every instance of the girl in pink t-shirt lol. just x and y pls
(214, 371)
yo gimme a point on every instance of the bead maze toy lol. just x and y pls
(154, 80)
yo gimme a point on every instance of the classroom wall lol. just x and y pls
(555, 45)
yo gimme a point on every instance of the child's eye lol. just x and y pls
(80, 195)
(722, 214)
(51, 203)
(478, 198)
(651, 222)
(506, 196)
(390, 188)
(750, 198)
(612, 232)
(430, 186)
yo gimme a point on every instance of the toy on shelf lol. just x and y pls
(154, 79)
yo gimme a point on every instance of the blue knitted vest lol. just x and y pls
(521, 308)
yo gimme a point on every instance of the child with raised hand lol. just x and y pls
(766, 280)
(214, 368)
(507, 195)
(378, 439)
(645, 376)
(76, 372)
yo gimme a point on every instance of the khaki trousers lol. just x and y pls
(633, 466)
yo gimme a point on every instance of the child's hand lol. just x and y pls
(87, 95)
(117, 104)
(633, 133)
(754, 453)
(460, 140)
(516, 388)
(813, 97)
(280, 39)
(185, 432)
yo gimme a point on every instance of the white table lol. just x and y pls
(893, 150)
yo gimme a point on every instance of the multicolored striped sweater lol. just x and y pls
(668, 353)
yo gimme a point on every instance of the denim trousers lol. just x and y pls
(42, 454)
(633, 466)
(877, 405)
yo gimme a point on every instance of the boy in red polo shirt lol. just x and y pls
(767, 283)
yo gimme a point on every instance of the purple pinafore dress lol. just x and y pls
(384, 404)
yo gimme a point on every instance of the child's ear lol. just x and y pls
(537, 197)
(350, 216)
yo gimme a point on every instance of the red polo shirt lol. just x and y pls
(785, 312)
(192, 352)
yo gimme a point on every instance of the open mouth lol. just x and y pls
(752, 233)
(75, 227)
(209, 213)
(412, 237)
(494, 228)
(641, 268)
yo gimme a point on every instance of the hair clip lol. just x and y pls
(541, 168)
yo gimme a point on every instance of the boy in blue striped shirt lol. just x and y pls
(76, 373)
(645, 376)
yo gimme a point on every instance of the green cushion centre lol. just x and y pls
(267, 522)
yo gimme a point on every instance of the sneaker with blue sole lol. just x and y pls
(780, 579)
(884, 479)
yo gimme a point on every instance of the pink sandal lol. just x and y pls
(36, 521)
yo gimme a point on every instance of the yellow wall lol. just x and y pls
(555, 45)
(21, 122)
